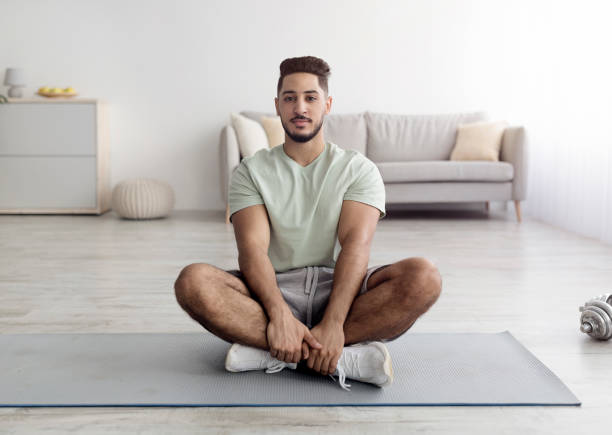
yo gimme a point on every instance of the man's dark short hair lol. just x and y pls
(307, 64)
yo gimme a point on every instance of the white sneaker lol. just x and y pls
(366, 362)
(241, 358)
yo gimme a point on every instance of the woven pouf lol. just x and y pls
(143, 198)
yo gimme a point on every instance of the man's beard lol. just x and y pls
(301, 138)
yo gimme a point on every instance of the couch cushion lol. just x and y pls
(256, 116)
(274, 130)
(348, 131)
(396, 138)
(479, 141)
(400, 172)
(251, 135)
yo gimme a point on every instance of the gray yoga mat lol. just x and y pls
(188, 370)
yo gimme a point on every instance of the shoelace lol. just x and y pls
(349, 358)
(276, 367)
(341, 378)
(351, 361)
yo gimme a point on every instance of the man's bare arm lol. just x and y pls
(252, 230)
(286, 335)
(355, 233)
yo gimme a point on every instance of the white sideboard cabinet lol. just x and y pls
(54, 156)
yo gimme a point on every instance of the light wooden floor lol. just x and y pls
(102, 274)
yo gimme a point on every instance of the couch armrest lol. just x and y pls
(514, 151)
(229, 158)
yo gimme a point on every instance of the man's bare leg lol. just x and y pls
(397, 296)
(222, 304)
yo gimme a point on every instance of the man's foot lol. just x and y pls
(366, 362)
(241, 358)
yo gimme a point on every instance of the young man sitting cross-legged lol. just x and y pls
(300, 297)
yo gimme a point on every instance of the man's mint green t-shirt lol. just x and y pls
(304, 202)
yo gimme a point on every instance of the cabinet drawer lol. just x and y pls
(47, 182)
(47, 129)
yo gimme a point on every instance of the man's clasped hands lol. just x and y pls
(291, 341)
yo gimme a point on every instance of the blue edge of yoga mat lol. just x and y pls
(431, 369)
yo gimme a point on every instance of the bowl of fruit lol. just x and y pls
(56, 92)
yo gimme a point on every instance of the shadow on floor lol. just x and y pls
(444, 214)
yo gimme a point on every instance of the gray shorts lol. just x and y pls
(307, 289)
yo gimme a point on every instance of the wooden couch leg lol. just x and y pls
(517, 207)
(487, 207)
(227, 216)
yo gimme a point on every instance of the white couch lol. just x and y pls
(412, 153)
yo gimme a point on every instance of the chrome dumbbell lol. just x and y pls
(596, 318)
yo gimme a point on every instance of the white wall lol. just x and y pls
(174, 70)
(568, 96)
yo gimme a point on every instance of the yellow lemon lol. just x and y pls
(56, 91)
(44, 89)
(69, 90)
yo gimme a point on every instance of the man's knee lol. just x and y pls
(186, 284)
(419, 282)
